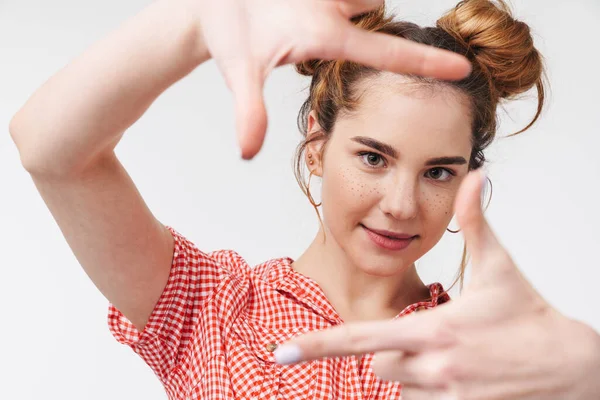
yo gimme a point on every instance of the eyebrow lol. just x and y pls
(390, 151)
(447, 161)
(377, 145)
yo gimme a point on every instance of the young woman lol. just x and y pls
(391, 151)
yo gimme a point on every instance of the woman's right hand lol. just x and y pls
(248, 38)
(67, 131)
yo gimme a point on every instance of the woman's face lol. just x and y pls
(391, 171)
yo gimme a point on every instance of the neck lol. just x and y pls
(355, 294)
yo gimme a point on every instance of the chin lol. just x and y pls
(381, 265)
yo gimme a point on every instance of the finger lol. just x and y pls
(246, 83)
(389, 53)
(494, 274)
(418, 393)
(412, 333)
(397, 367)
(429, 369)
(350, 8)
(478, 235)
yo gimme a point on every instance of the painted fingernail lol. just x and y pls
(288, 354)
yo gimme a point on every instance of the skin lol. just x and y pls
(250, 38)
(407, 192)
(500, 340)
(67, 131)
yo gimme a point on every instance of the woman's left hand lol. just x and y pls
(499, 340)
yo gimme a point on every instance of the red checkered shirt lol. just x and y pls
(213, 331)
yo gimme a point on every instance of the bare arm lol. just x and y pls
(66, 134)
(79, 114)
(67, 131)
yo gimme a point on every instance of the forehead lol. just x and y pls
(433, 117)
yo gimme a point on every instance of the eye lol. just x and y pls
(440, 174)
(372, 160)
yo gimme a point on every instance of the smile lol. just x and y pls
(389, 240)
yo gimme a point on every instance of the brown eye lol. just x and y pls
(439, 174)
(372, 160)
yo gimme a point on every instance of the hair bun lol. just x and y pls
(501, 45)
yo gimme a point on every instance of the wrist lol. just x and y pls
(183, 19)
(194, 38)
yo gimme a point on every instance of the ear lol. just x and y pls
(313, 156)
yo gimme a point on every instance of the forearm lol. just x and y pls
(81, 112)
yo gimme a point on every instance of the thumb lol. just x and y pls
(246, 84)
(478, 234)
(506, 292)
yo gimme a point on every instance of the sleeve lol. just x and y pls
(194, 278)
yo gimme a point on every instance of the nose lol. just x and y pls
(400, 199)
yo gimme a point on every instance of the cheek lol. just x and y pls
(437, 206)
(348, 192)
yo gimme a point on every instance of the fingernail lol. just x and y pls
(288, 354)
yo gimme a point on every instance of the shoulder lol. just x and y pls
(188, 253)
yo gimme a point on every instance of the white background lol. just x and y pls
(54, 342)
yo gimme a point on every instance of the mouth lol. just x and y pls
(389, 240)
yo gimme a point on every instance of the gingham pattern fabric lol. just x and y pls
(213, 330)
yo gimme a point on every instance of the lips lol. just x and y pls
(389, 240)
(389, 234)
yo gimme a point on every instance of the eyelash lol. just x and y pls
(362, 154)
(449, 171)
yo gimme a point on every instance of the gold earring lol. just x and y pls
(309, 195)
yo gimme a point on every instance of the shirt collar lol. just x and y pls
(280, 275)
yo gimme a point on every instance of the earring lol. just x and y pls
(309, 195)
(491, 188)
